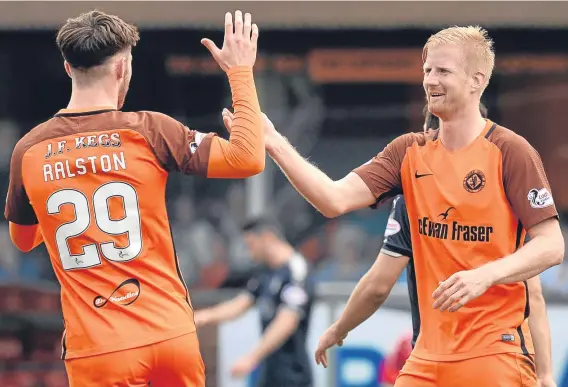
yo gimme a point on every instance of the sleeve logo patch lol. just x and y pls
(540, 198)
(294, 296)
(196, 141)
(393, 227)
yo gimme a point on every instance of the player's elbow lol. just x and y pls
(250, 163)
(333, 207)
(556, 248)
(558, 254)
(256, 166)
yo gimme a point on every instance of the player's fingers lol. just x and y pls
(445, 295)
(212, 47)
(238, 24)
(247, 27)
(228, 123)
(228, 113)
(442, 286)
(450, 297)
(254, 36)
(462, 299)
(324, 359)
(228, 24)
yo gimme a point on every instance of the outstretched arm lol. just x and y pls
(331, 198)
(243, 155)
(228, 310)
(369, 184)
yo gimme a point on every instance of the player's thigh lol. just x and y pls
(501, 370)
(128, 368)
(179, 363)
(418, 373)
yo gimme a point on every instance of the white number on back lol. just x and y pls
(129, 224)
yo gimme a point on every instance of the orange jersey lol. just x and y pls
(95, 183)
(466, 208)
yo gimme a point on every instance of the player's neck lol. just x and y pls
(97, 95)
(460, 130)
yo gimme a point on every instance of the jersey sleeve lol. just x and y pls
(382, 173)
(177, 147)
(525, 182)
(191, 152)
(297, 293)
(253, 287)
(397, 240)
(18, 209)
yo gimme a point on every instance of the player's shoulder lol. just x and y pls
(37, 134)
(298, 268)
(401, 143)
(508, 141)
(152, 117)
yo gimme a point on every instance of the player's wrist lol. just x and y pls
(238, 69)
(275, 143)
(489, 275)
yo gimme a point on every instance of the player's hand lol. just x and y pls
(546, 382)
(330, 338)
(239, 44)
(271, 134)
(459, 289)
(244, 366)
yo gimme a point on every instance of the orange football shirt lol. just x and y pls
(466, 208)
(95, 182)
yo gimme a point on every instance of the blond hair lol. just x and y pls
(478, 48)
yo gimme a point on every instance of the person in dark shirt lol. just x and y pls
(283, 294)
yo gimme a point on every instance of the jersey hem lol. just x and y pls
(74, 354)
(468, 355)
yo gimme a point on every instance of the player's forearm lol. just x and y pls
(244, 154)
(226, 311)
(366, 298)
(541, 253)
(540, 332)
(314, 185)
(25, 238)
(274, 336)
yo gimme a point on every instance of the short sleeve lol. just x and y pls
(525, 182)
(297, 293)
(177, 147)
(18, 209)
(397, 240)
(382, 173)
(253, 287)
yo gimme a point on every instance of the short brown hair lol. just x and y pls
(93, 37)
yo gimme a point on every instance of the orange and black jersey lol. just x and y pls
(93, 183)
(465, 209)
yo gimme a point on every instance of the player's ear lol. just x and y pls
(478, 81)
(120, 68)
(67, 68)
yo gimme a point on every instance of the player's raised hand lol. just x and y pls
(330, 338)
(239, 44)
(459, 289)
